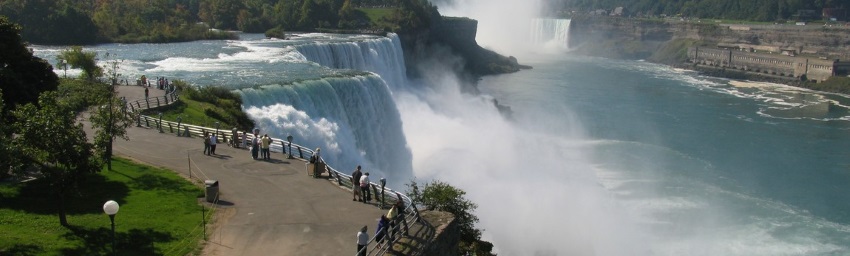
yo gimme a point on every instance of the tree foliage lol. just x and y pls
(441, 196)
(77, 58)
(132, 21)
(23, 76)
(50, 140)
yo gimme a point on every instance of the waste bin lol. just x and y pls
(211, 190)
(310, 168)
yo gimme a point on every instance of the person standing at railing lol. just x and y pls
(213, 142)
(244, 139)
(234, 138)
(364, 188)
(355, 184)
(362, 241)
(266, 142)
(383, 223)
(392, 215)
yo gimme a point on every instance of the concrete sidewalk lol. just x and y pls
(267, 207)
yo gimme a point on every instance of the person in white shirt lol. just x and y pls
(364, 188)
(362, 240)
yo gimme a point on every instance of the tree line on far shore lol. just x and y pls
(76, 22)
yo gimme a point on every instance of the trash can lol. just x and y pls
(310, 169)
(211, 190)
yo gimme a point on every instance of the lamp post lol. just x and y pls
(65, 67)
(217, 124)
(111, 208)
(179, 121)
(160, 122)
(289, 139)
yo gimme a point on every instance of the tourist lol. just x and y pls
(392, 215)
(255, 147)
(317, 156)
(146, 93)
(206, 144)
(355, 184)
(362, 241)
(234, 138)
(213, 141)
(244, 139)
(364, 188)
(266, 142)
(383, 223)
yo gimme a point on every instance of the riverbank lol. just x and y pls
(667, 43)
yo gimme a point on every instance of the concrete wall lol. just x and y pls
(446, 238)
(770, 64)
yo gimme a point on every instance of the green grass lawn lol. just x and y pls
(159, 215)
(375, 14)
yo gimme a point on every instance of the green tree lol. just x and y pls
(77, 58)
(441, 196)
(8, 161)
(23, 76)
(50, 139)
(111, 121)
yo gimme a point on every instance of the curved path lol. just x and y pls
(267, 207)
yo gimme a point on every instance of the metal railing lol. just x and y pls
(152, 102)
(386, 196)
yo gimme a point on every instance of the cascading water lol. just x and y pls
(380, 55)
(552, 33)
(353, 119)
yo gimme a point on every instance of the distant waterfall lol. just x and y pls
(353, 119)
(382, 56)
(551, 32)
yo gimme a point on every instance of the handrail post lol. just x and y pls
(157, 101)
(300, 154)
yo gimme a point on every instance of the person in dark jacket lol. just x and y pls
(355, 184)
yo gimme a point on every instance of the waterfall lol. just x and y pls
(551, 33)
(353, 119)
(382, 56)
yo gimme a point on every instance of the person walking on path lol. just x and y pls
(265, 146)
(146, 93)
(213, 142)
(355, 184)
(364, 187)
(206, 144)
(362, 241)
(383, 223)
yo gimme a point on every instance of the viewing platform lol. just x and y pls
(265, 207)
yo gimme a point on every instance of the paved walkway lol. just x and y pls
(267, 207)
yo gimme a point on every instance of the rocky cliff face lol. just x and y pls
(455, 37)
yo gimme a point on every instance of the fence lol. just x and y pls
(388, 197)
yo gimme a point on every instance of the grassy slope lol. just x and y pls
(205, 107)
(376, 15)
(159, 215)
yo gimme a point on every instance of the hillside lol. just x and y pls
(750, 10)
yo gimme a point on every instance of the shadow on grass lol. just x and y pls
(38, 196)
(99, 241)
(154, 182)
(22, 249)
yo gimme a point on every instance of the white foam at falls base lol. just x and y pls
(353, 119)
